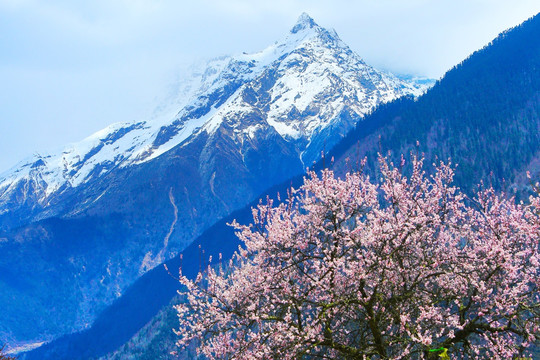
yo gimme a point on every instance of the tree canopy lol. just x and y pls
(407, 267)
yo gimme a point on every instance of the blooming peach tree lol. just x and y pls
(404, 268)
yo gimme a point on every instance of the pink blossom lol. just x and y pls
(345, 268)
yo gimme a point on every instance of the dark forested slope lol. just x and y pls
(484, 114)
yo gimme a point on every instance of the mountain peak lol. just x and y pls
(304, 22)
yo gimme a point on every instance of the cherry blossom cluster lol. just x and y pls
(405, 267)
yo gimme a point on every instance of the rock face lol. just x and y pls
(77, 227)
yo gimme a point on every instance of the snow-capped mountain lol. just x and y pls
(105, 210)
(299, 87)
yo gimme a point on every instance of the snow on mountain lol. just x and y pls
(313, 77)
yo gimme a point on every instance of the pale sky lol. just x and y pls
(70, 67)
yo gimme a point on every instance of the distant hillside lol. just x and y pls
(484, 115)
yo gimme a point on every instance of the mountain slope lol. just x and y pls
(484, 115)
(86, 222)
(475, 113)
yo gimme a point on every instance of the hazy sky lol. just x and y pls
(70, 67)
